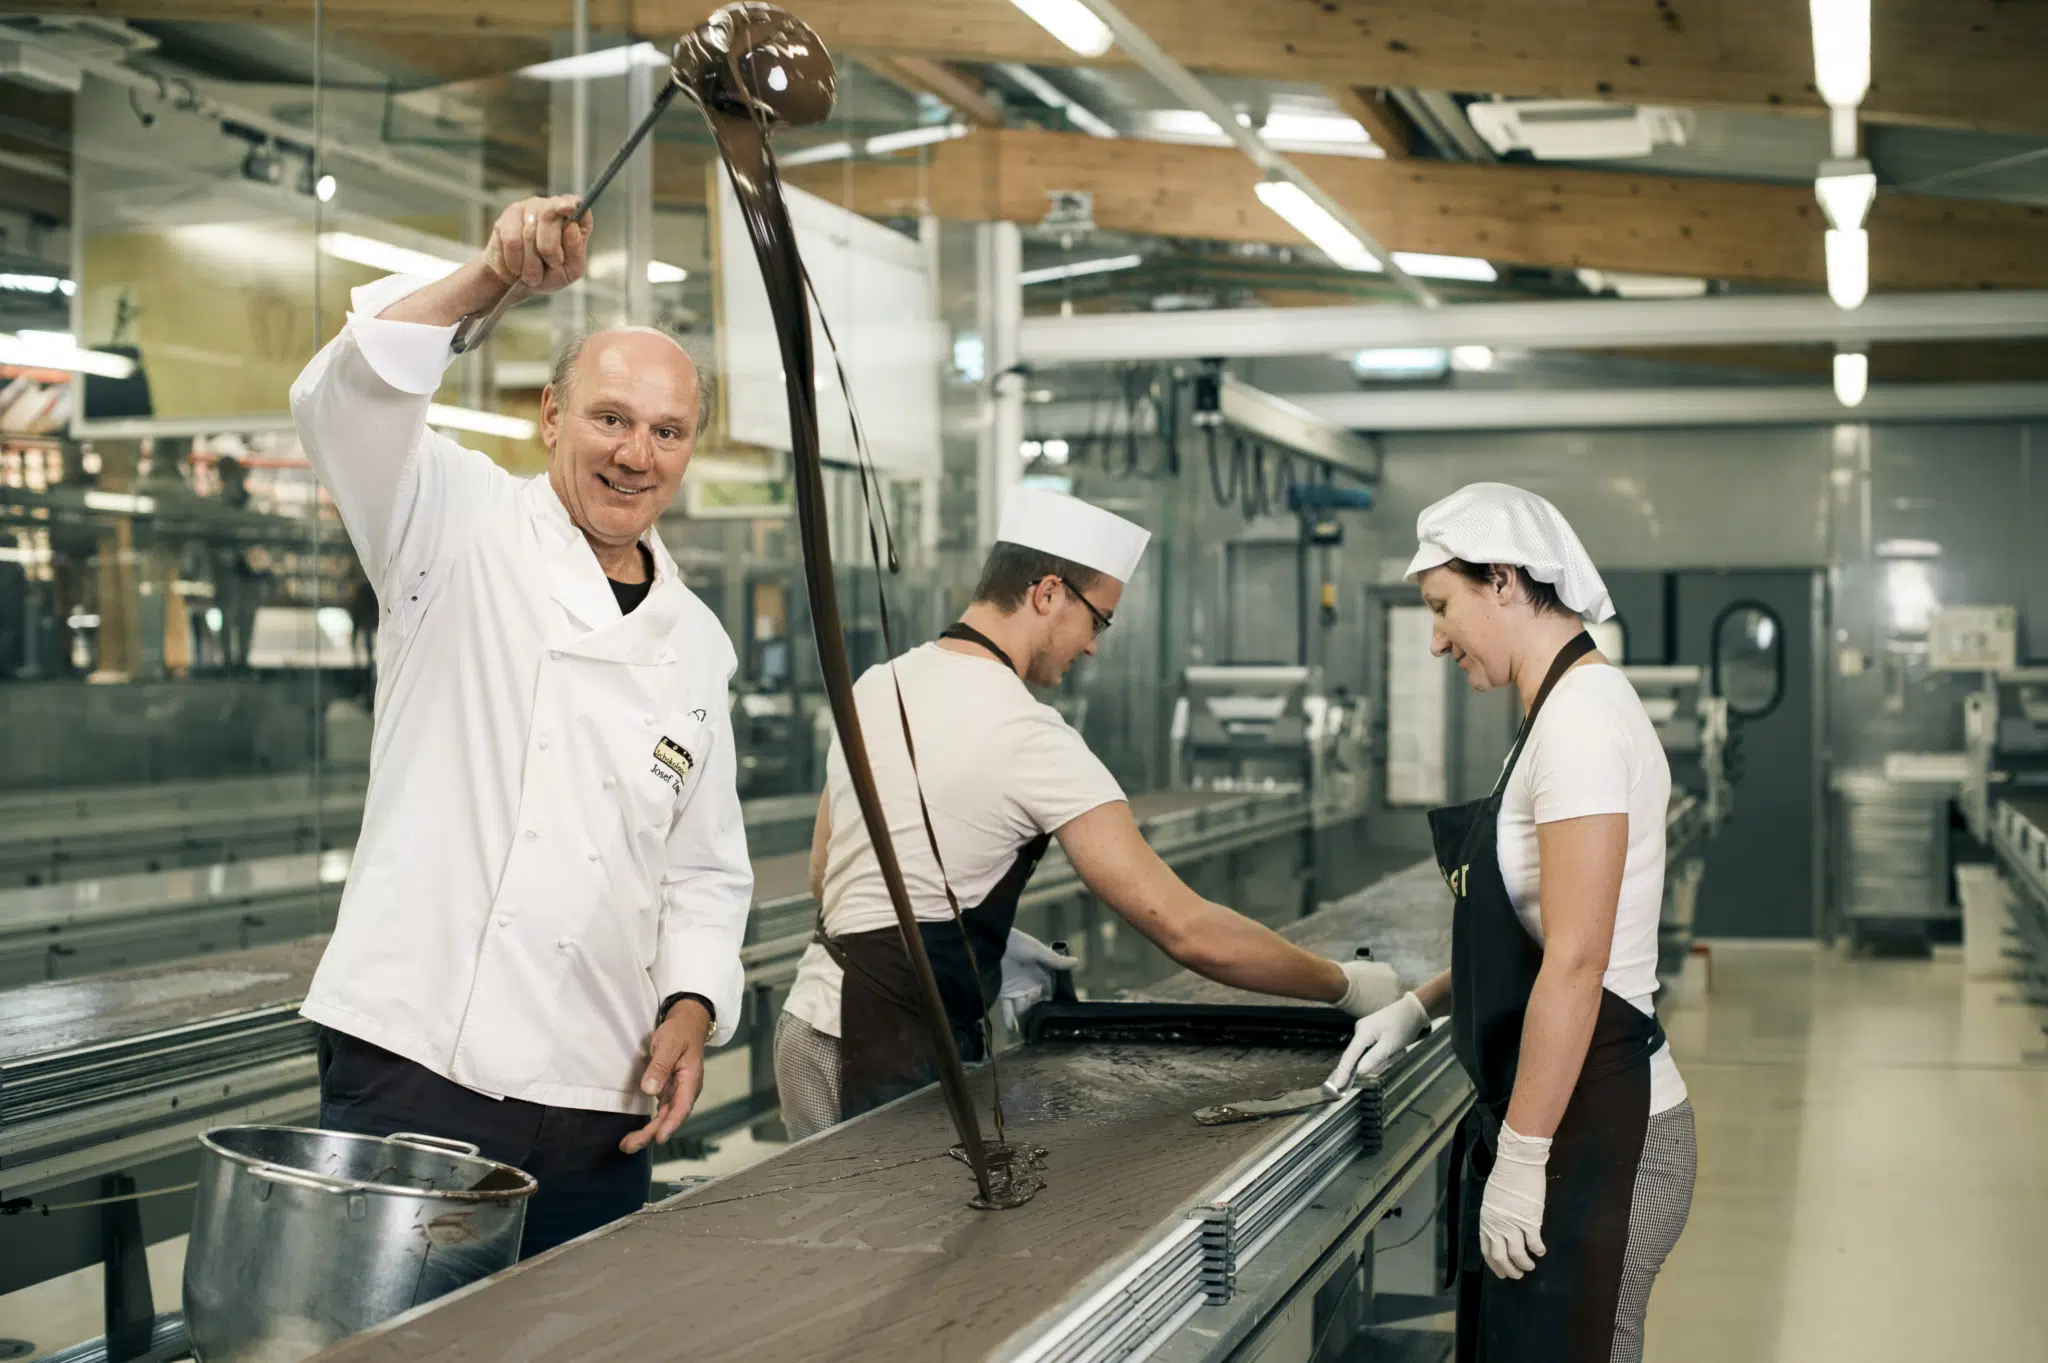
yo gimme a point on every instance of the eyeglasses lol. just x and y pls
(1102, 622)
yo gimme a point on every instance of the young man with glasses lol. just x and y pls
(996, 775)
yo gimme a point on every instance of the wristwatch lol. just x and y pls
(673, 999)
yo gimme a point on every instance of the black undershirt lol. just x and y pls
(631, 594)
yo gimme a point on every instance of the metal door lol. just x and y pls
(1758, 634)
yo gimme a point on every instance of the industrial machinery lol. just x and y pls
(2005, 739)
(1257, 727)
(112, 1077)
(1693, 727)
(1692, 724)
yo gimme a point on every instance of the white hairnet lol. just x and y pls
(1496, 523)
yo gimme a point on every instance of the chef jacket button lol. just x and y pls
(543, 740)
(565, 943)
(531, 835)
(650, 721)
(610, 782)
(590, 852)
(504, 920)
(555, 653)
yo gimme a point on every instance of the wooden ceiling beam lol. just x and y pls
(952, 87)
(1385, 124)
(1960, 63)
(1713, 229)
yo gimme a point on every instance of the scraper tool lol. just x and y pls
(1253, 1109)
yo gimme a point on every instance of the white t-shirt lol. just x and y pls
(1594, 751)
(998, 768)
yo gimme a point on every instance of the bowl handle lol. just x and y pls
(438, 1144)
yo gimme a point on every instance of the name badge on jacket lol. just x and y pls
(674, 763)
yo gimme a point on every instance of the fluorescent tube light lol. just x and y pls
(1472, 359)
(807, 156)
(1852, 378)
(124, 503)
(1848, 254)
(57, 350)
(1309, 218)
(1072, 22)
(483, 423)
(610, 61)
(661, 272)
(1401, 362)
(1428, 266)
(38, 283)
(1845, 190)
(1100, 265)
(382, 255)
(885, 143)
(1841, 51)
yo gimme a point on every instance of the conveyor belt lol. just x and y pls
(64, 1037)
(2019, 834)
(82, 927)
(60, 836)
(857, 1244)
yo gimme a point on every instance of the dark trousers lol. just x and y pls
(585, 1180)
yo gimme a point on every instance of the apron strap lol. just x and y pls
(968, 634)
(1576, 648)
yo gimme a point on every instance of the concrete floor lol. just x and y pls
(1873, 1179)
(1873, 1172)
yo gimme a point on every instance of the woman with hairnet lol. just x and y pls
(1580, 1152)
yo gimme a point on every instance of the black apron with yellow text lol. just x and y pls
(1565, 1309)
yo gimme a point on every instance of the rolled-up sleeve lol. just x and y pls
(707, 890)
(360, 408)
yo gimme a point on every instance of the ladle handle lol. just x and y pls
(474, 330)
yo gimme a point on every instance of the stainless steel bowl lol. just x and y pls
(301, 1238)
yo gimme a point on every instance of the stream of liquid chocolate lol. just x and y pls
(752, 68)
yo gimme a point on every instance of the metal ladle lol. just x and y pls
(475, 328)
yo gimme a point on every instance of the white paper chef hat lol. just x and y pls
(1496, 523)
(1078, 531)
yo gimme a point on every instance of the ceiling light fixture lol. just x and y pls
(324, 188)
(382, 255)
(1100, 265)
(1472, 359)
(1852, 377)
(483, 423)
(60, 350)
(610, 61)
(1845, 190)
(661, 272)
(1292, 203)
(885, 143)
(1072, 22)
(1848, 257)
(1841, 62)
(37, 283)
(1445, 267)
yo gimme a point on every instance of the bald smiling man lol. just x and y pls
(541, 929)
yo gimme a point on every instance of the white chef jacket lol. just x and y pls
(552, 842)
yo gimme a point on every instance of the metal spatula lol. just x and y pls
(1254, 1109)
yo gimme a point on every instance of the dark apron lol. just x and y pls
(884, 1049)
(1564, 1310)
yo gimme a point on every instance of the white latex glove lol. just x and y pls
(1028, 968)
(1511, 1213)
(1378, 1038)
(1368, 987)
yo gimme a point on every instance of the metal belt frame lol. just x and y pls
(1196, 1261)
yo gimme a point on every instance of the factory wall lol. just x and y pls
(1837, 499)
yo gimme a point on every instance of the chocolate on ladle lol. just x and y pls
(752, 68)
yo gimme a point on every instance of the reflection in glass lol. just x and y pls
(1749, 659)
